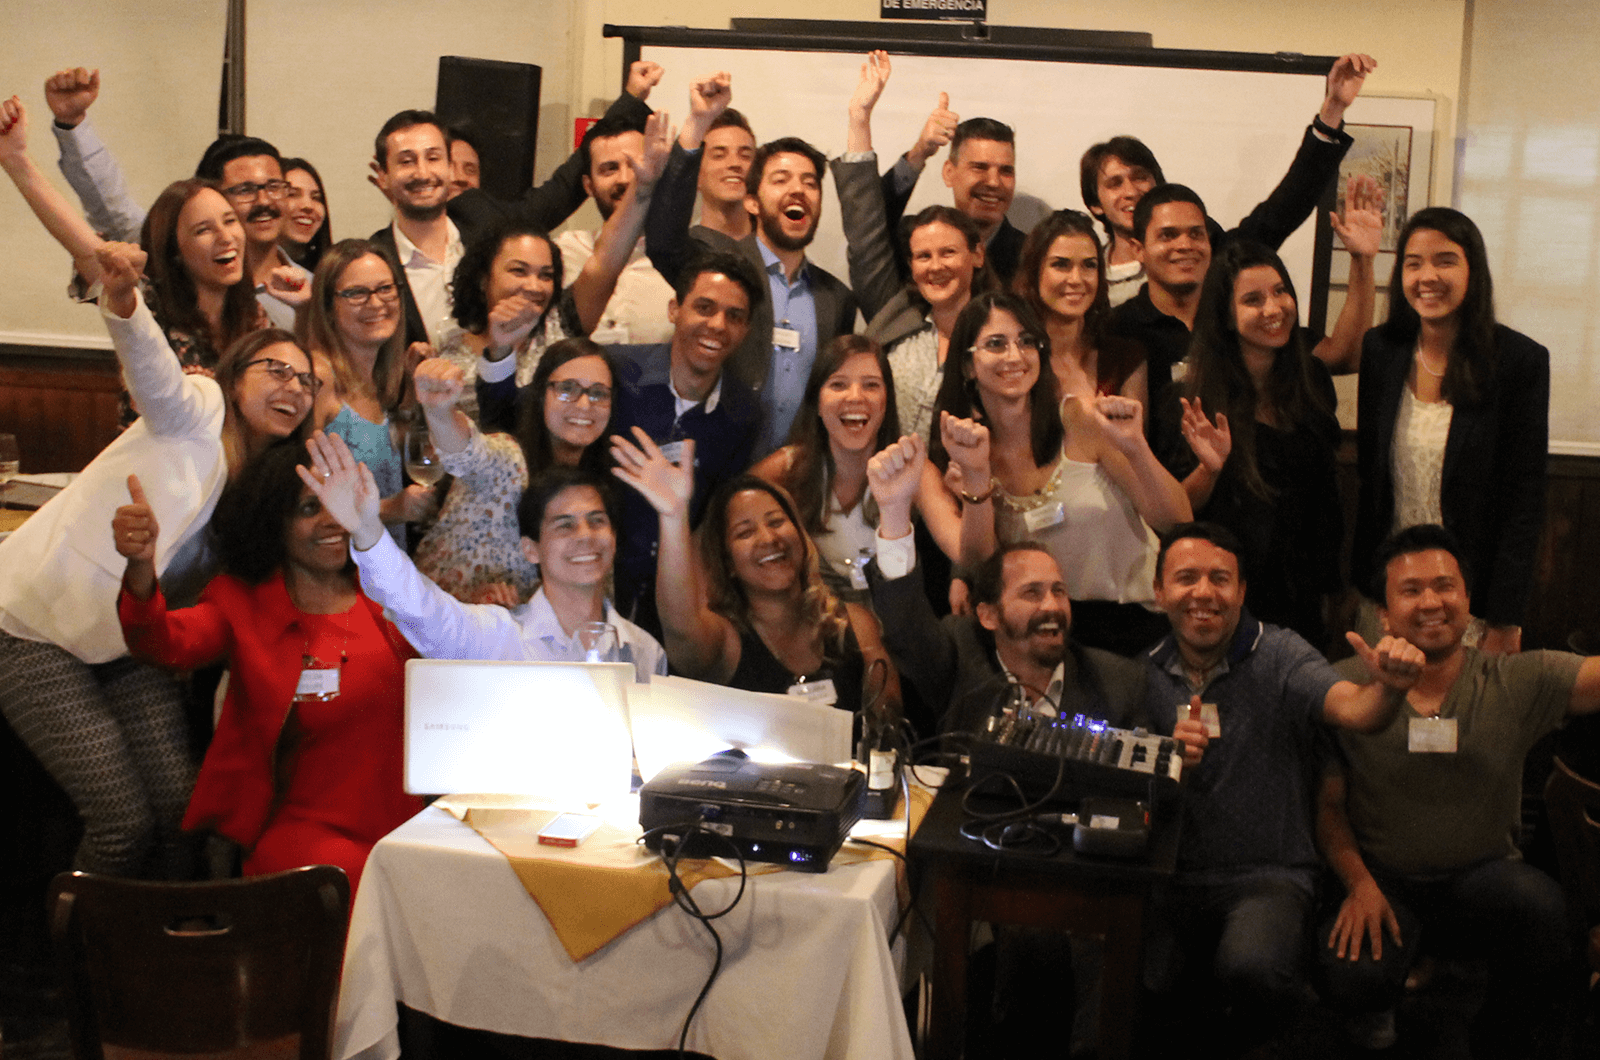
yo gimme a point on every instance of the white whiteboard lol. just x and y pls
(1229, 134)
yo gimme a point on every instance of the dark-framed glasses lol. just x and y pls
(569, 389)
(386, 292)
(283, 372)
(275, 189)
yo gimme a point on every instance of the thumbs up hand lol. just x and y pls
(134, 531)
(1191, 732)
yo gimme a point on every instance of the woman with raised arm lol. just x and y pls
(1453, 421)
(943, 246)
(305, 767)
(109, 730)
(307, 226)
(749, 608)
(195, 281)
(1061, 275)
(1081, 480)
(472, 551)
(1265, 460)
(846, 416)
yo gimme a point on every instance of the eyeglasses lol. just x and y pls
(284, 372)
(386, 292)
(999, 344)
(569, 389)
(275, 189)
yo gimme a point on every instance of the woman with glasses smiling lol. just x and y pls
(354, 319)
(473, 551)
(1078, 477)
(109, 730)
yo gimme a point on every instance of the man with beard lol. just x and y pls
(1419, 823)
(809, 307)
(250, 173)
(1247, 864)
(1019, 635)
(434, 219)
(414, 174)
(637, 311)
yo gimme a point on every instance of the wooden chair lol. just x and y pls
(1573, 804)
(248, 967)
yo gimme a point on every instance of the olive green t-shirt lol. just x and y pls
(1429, 814)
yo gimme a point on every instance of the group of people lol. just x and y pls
(1078, 445)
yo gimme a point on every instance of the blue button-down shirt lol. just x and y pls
(794, 306)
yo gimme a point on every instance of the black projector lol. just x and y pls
(796, 814)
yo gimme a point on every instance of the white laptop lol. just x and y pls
(675, 719)
(552, 730)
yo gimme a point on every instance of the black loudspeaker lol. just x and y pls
(496, 106)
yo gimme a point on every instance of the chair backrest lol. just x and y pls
(1573, 803)
(201, 967)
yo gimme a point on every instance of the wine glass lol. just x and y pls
(10, 464)
(422, 459)
(599, 641)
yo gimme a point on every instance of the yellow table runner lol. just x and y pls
(594, 892)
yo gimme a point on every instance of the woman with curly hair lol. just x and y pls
(762, 618)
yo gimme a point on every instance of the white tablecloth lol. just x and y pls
(442, 924)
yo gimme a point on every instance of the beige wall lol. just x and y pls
(323, 74)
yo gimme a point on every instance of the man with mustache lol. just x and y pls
(247, 169)
(637, 311)
(783, 195)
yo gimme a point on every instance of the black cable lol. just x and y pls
(685, 901)
(875, 843)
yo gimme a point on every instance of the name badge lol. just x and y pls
(1043, 517)
(1209, 718)
(613, 334)
(673, 451)
(317, 684)
(1431, 736)
(785, 338)
(820, 691)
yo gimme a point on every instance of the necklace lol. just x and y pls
(1423, 361)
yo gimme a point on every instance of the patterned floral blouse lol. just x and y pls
(475, 541)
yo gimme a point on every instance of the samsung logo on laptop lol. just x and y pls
(440, 726)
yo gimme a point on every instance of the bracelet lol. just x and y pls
(980, 498)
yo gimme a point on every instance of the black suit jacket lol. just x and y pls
(1492, 490)
(546, 206)
(672, 245)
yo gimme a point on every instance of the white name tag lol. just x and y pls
(1431, 736)
(816, 691)
(1046, 515)
(785, 338)
(317, 684)
(673, 451)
